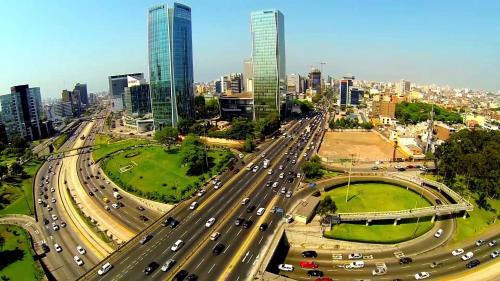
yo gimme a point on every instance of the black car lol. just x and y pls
(290, 179)
(247, 224)
(143, 218)
(250, 208)
(263, 226)
(45, 221)
(269, 183)
(120, 204)
(45, 248)
(168, 221)
(439, 202)
(179, 276)
(318, 273)
(218, 249)
(401, 169)
(173, 223)
(115, 189)
(146, 239)
(151, 267)
(405, 260)
(309, 254)
(473, 263)
(91, 193)
(238, 221)
(101, 186)
(192, 277)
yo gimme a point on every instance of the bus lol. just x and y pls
(250, 166)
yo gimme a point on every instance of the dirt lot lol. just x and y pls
(366, 146)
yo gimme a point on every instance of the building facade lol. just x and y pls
(248, 75)
(315, 80)
(82, 92)
(238, 105)
(118, 83)
(170, 64)
(344, 91)
(137, 100)
(269, 69)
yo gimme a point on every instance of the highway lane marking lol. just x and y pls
(200, 263)
(238, 232)
(261, 239)
(406, 267)
(226, 248)
(452, 267)
(245, 257)
(211, 268)
(237, 278)
(250, 259)
(124, 260)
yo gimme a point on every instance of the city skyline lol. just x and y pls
(431, 42)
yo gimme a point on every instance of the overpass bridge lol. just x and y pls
(458, 203)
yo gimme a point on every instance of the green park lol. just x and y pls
(368, 197)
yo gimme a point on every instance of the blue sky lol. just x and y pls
(54, 44)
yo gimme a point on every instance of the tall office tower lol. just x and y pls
(21, 112)
(137, 100)
(403, 87)
(74, 98)
(315, 80)
(118, 83)
(82, 89)
(293, 83)
(345, 91)
(236, 86)
(248, 75)
(268, 56)
(170, 64)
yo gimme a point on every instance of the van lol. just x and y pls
(260, 211)
(104, 269)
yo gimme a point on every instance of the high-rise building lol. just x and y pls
(21, 113)
(248, 75)
(403, 87)
(170, 64)
(268, 57)
(315, 80)
(74, 98)
(82, 90)
(136, 97)
(293, 83)
(345, 91)
(118, 83)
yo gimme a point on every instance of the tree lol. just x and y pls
(16, 169)
(2, 242)
(249, 144)
(199, 105)
(167, 136)
(241, 127)
(3, 171)
(305, 106)
(312, 168)
(212, 108)
(326, 207)
(183, 126)
(268, 125)
(19, 143)
(193, 154)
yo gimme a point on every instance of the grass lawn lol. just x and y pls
(24, 267)
(61, 140)
(105, 145)
(19, 191)
(155, 170)
(380, 232)
(367, 197)
(478, 221)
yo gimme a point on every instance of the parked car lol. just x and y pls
(309, 254)
(308, 264)
(422, 275)
(285, 267)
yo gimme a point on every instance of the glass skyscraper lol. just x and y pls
(268, 56)
(170, 64)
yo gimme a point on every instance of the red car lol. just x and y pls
(324, 279)
(308, 264)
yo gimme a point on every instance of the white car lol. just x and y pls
(467, 256)
(255, 169)
(261, 211)
(193, 205)
(245, 201)
(177, 245)
(210, 222)
(270, 171)
(282, 175)
(275, 184)
(53, 200)
(283, 190)
(114, 205)
(52, 189)
(281, 167)
(285, 267)
(57, 247)
(54, 217)
(438, 233)
(40, 201)
(495, 254)
(218, 185)
(241, 155)
(422, 275)
(214, 236)
(78, 260)
(298, 175)
(355, 264)
(457, 252)
(288, 194)
(104, 269)
(80, 250)
(201, 192)
(55, 227)
(492, 243)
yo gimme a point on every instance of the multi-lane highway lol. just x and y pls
(220, 204)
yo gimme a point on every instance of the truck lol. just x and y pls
(266, 163)
(117, 195)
